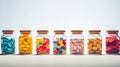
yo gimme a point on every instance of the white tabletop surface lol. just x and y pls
(60, 61)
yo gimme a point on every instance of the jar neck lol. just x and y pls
(43, 35)
(25, 34)
(94, 34)
(113, 34)
(59, 35)
(76, 35)
(7, 35)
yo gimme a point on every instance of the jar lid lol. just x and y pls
(42, 31)
(7, 31)
(25, 31)
(59, 31)
(94, 31)
(76, 31)
(112, 31)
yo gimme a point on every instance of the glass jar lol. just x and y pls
(112, 42)
(59, 42)
(76, 42)
(42, 42)
(94, 42)
(25, 42)
(7, 42)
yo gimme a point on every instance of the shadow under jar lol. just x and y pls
(59, 42)
(94, 42)
(25, 42)
(112, 42)
(76, 42)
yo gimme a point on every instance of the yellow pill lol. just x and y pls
(27, 46)
(20, 39)
(41, 40)
(24, 42)
(37, 41)
(47, 46)
(28, 41)
(22, 46)
(61, 44)
(64, 51)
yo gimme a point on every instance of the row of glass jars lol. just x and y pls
(59, 43)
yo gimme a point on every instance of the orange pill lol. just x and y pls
(94, 48)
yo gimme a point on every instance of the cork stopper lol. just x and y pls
(112, 31)
(25, 31)
(42, 31)
(7, 31)
(76, 31)
(59, 31)
(94, 31)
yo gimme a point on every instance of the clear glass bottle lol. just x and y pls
(94, 42)
(59, 42)
(42, 42)
(112, 42)
(25, 42)
(7, 42)
(76, 42)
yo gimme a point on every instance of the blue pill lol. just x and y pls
(60, 52)
(63, 48)
(54, 41)
(61, 38)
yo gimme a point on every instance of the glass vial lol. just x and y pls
(112, 42)
(7, 42)
(25, 42)
(76, 42)
(42, 42)
(59, 42)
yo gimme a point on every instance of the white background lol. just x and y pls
(59, 14)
